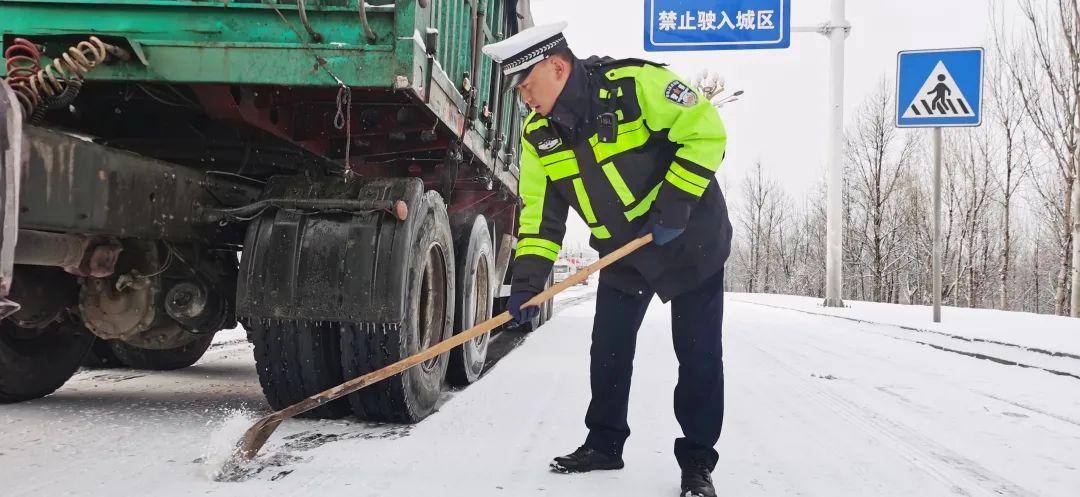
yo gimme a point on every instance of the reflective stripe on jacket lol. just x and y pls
(669, 142)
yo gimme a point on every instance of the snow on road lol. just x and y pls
(1058, 335)
(816, 406)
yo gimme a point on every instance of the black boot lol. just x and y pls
(697, 481)
(584, 460)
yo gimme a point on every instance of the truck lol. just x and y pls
(339, 177)
(560, 271)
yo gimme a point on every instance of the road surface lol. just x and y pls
(817, 405)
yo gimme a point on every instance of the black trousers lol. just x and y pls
(696, 319)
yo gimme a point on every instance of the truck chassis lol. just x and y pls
(360, 158)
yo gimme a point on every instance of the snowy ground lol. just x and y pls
(878, 403)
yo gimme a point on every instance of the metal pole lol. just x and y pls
(834, 253)
(936, 255)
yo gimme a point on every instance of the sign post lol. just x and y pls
(837, 31)
(935, 230)
(938, 89)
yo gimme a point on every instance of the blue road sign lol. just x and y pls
(681, 25)
(939, 88)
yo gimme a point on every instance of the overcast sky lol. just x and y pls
(781, 118)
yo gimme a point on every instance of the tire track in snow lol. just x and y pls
(975, 355)
(1030, 408)
(940, 462)
(573, 301)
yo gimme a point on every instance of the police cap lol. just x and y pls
(519, 53)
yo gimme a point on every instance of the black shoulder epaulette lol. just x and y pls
(608, 62)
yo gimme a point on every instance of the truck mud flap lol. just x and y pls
(11, 160)
(328, 266)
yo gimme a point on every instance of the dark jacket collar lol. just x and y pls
(574, 110)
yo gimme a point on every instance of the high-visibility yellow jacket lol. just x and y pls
(668, 144)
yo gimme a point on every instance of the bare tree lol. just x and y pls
(1011, 190)
(976, 171)
(1046, 76)
(1006, 111)
(954, 237)
(764, 205)
(914, 215)
(878, 155)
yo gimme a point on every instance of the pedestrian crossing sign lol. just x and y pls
(939, 88)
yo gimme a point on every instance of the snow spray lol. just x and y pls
(217, 457)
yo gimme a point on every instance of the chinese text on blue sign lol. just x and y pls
(717, 24)
(937, 88)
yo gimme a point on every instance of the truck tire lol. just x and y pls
(161, 360)
(547, 311)
(101, 356)
(296, 360)
(550, 309)
(429, 317)
(35, 362)
(476, 265)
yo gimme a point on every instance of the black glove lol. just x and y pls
(514, 306)
(661, 234)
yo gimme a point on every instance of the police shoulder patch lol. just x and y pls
(681, 94)
(549, 144)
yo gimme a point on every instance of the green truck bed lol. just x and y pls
(312, 43)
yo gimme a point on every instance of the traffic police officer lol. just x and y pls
(634, 150)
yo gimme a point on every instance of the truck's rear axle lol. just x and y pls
(80, 255)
